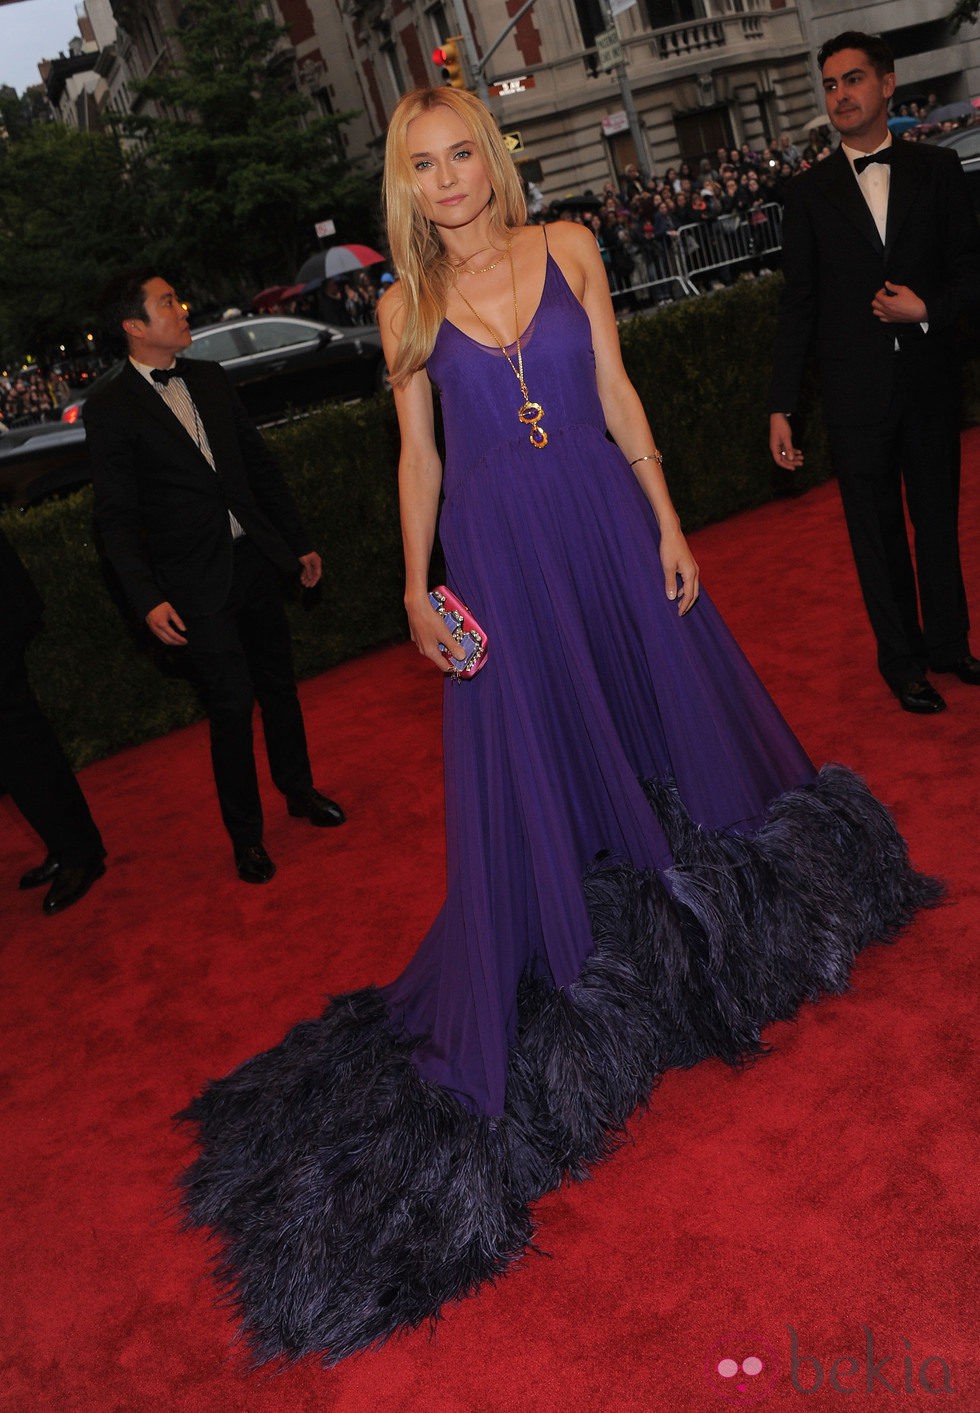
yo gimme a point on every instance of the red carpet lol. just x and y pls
(825, 1191)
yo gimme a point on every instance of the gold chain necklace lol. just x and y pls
(484, 269)
(530, 413)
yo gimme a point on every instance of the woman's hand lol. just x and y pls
(679, 563)
(429, 631)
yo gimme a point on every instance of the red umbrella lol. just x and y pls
(267, 297)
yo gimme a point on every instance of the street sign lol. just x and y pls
(506, 87)
(513, 141)
(325, 228)
(608, 49)
(613, 123)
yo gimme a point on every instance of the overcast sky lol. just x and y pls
(32, 30)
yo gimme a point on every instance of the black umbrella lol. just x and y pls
(588, 202)
(949, 112)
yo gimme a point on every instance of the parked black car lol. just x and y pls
(46, 459)
(278, 364)
(965, 142)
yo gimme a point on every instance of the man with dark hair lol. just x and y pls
(881, 255)
(33, 767)
(200, 527)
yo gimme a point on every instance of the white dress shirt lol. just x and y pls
(875, 183)
(177, 397)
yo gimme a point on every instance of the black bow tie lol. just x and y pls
(861, 163)
(163, 375)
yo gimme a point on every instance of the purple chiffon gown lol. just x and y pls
(644, 869)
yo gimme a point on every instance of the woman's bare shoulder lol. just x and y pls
(391, 310)
(570, 236)
(574, 250)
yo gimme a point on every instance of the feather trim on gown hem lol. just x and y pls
(351, 1198)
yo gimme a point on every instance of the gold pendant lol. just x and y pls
(530, 414)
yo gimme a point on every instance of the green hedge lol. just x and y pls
(701, 367)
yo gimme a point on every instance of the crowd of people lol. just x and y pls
(651, 229)
(32, 395)
(346, 301)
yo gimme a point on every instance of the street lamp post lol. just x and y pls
(618, 66)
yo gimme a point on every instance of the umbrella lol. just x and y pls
(950, 111)
(338, 260)
(292, 292)
(820, 120)
(900, 125)
(585, 202)
(267, 297)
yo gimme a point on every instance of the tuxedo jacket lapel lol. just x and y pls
(210, 413)
(216, 420)
(903, 185)
(839, 185)
(150, 401)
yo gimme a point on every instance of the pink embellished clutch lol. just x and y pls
(464, 629)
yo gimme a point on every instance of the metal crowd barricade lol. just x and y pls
(711, 250)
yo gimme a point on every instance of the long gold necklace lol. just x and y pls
(530, 413)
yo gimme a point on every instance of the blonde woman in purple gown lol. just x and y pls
(644, 867)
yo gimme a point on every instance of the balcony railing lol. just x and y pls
(700, 36)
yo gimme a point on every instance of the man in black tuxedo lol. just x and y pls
(881, 255)
(33, 767)
(200, 527)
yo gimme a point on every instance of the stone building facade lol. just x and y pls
(702, 73)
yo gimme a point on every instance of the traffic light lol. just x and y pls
(451, 58)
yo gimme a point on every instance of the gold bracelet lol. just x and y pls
(653, 456)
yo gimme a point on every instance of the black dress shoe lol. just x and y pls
(71, 882)
(920, 697)
(316, 808)
(254, 864)
(37, 877)
(966, 668)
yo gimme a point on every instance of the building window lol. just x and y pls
(591, 21)
(440, 24)
(661, 14)
(390, 54)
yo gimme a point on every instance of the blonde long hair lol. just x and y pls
(417, 251)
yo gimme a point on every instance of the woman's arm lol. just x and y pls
(623, 410)
(419, 483)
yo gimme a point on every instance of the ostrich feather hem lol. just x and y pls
(350, 1199)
